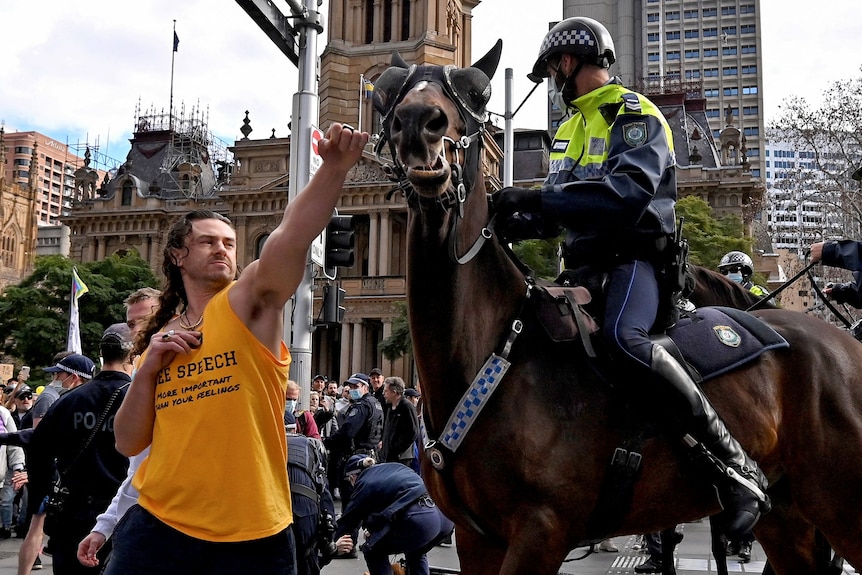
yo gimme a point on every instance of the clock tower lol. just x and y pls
(363, 35)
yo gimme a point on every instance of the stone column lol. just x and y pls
(91, 255)
(346, 331)
(243, 255)
(373, 242)
(356, 345)
(385, 243)
(336, 20)
(378, 21)
(396, 20)
(358, 13)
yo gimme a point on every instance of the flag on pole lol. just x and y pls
(176, 41)
(366, 88)
(79, 288)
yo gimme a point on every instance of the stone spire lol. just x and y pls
(2, 156)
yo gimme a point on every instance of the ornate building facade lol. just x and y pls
(18, 227)
(134, 210)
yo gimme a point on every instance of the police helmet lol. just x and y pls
(586, 38)
(357, 464)
(732, 260)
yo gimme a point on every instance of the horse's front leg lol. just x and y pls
(478, 555)
(538, 544)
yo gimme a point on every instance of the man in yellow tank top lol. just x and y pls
(208, 395)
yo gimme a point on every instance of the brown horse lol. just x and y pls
(523, 482)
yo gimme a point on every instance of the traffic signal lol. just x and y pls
(333, 304)
(340, 239)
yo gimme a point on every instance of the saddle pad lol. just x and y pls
(715, 340)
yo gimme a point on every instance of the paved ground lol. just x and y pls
(693, 558)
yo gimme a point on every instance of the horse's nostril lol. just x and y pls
(437, 122)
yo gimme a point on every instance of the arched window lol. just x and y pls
(405, 20)
(127, 193)
(258, 248)
(369, 21)
(8, 249)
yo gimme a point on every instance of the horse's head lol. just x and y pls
(433, 119)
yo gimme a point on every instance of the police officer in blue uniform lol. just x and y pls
(359, 434)
(313, 510)
(76, 438)
(398, 515)
(846, 254)
(612, 186)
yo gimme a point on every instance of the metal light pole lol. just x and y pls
(508, 131)
(298, 320)
(298, 41)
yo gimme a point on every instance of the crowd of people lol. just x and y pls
(123, 467)
(189, 451)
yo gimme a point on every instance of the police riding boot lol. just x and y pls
(741, 487)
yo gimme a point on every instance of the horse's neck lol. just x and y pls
(458, 312)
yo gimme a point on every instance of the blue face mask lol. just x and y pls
(735, 277)
(290, 405)
(355, 394)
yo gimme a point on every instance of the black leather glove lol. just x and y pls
(510, 200)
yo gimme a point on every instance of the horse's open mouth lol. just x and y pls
(429, 179)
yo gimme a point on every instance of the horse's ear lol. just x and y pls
(387, 86)
(398, 61)
(489, 62)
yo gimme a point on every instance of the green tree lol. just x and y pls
(540, 255)
(710, 238)
(399, 342)
(34, 315)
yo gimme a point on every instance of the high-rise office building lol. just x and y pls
(716, 42)
(55, 167)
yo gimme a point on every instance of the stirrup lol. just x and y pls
(742, 477)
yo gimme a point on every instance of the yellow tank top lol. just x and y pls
(217, 468)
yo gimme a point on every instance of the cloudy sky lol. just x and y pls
(77, 70)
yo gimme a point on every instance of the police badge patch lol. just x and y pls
(727, 336)
(635, 133)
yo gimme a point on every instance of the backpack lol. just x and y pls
(306, 458)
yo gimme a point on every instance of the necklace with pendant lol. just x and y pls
(187, 324)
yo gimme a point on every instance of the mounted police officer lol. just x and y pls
(738, 267)
(612, 186)
(359, 434)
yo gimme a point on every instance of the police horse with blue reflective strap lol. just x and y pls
(522, 482)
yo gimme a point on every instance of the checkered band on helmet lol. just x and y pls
(737, 259)
(584, 37)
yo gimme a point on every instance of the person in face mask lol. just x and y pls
(738, 268)
(359, 434)
(305, 424)
(612, 186)
(69, 370)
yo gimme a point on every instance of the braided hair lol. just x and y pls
(174, 296)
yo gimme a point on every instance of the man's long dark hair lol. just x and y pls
(173, 299)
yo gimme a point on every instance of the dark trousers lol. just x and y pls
(630, 312)
(70, 528)
(413, 533)
(143, 545)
